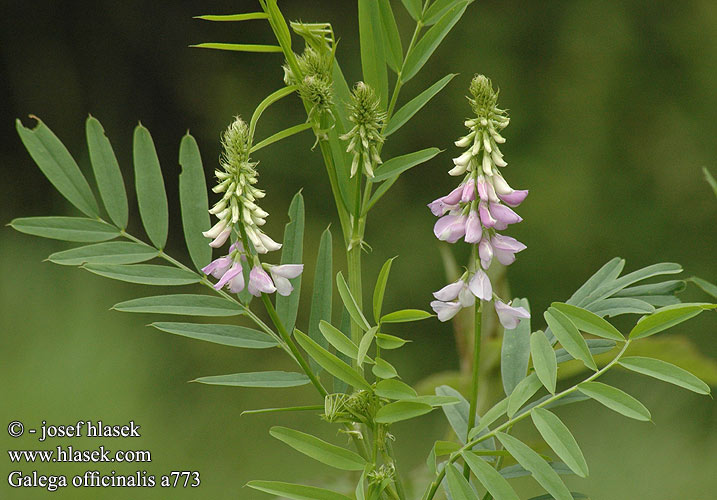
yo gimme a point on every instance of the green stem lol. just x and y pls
(433, 487)
(396, 478)
(474, 383)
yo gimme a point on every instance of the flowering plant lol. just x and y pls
(365, 397)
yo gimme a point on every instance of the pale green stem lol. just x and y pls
(474, 384)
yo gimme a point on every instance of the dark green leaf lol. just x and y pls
(458, 485)
(667, 317)
(322, 293)
(436, 10)
(569, 336)
(665, 371)
(194, 201)
(380, 289)
(414, 8)
(350, 303)
(413, 106)
(331, 363)
(295, 491)
(589, 322)
(230, 335)
(292, 253)
(525, 390)
(544, 360)
(515, 351)
(405, 316)
(107, 172)
(401, 410)
(257, 379)
(395, 389)
(399, 164)
(66, 228)
(112, 252)
(145, 274)
(58, 165)
(373, 58)
(557, 435)
(186, 304)
(490, 478)
(238, 47)
(615, 399)
(151, 196)
(318, 449)
(391, 37)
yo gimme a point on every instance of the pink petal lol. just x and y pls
(449, 292)
(474, 230)
(218, 267)
(503, 214)
(485, 251)
(445, 310)
(469, 191)
(453, 197)
(515, 198)
(510, 316)
(287, 270)
(260, 282)
(480, 285)
(485, 216)
(450, 228)
(229, 275)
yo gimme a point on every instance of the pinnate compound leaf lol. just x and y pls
(395, 389)
(350, 303)
(380, 289)
(112, 252)
(515, 351)
(401, 410)
(320, 450)
(321, 298)
(560, 439)
(544, 360)
(107, 172)
(615, 399)
(295, 491)
(588, 322)
(66, 228)
(58, 165)
(399, 164)
(413, 106)
(194, 201)
(525, 390)
(667, 317)
(229, 335)
(666, 372)
(569, 336)
(151, 196)
(405, 316)
(331, 363)
(490, 478)
(458, 485)
(287, 307)
(184, 304)
(145, 274)
(257, 379)
(539, 468)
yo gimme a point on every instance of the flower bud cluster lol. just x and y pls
(365, 137)
(315, 84)
(479, 207)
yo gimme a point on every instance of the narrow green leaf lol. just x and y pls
(107, 172)
(576, 496)
(288, 132)
(295, 491)
(544, 360)
(257, 379)
(588, 322)
(401, 410)
(112, 252)
(425, 47)
(350, 303)
(539, 468)
(331, 363)
(441, 448)
(338, 339)
(234, 17)
(515, 351)
(457, 415)
(292, 252)
(344, 326)
(666, 372)
(436, 10)
(322, 294)
(194, 202)
(490, 478)
(399, 164)
(525, 390)
(595, 346)
(238, 47)
(611, 287)
(615, 399)
(517, 470)
(283, 410)
(569, 336)
(391, 36)
(373, 58)
(384, 369)
(573, 397)
(318, 449)
(365, 344)
(617, 306)
(414, 8)
(405, 316)
(230, 335)
(458, 485)
(145, 274)
(705, 285)
(186, 304)
(607, 273)
(386, 341)
(437, 400)
(413, 106)
(558, 436)
(380, 289)
(56, 162)
(151, 196)
(268, 101)
(66, 228)
(281, 28)
(343, 97)
(662, 288)
(665, 318)
(395, 389)
(497, 411)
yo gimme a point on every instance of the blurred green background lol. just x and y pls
(614, 112)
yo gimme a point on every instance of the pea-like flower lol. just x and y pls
(260, 282)
(282, 274)
(510, 316)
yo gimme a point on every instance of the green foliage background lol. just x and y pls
(613, 115)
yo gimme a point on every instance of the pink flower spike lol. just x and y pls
(445, 310)
(485, 251)
(505, 248)
(474, 231)
(510, 316)
(260, 282)
(218, 267)
(485, 216)
(469, 191)
(282, 274)
(480, 285)
(232, 273)
(449, 292)
(221, 239)
(450, 228)
(504, 215)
